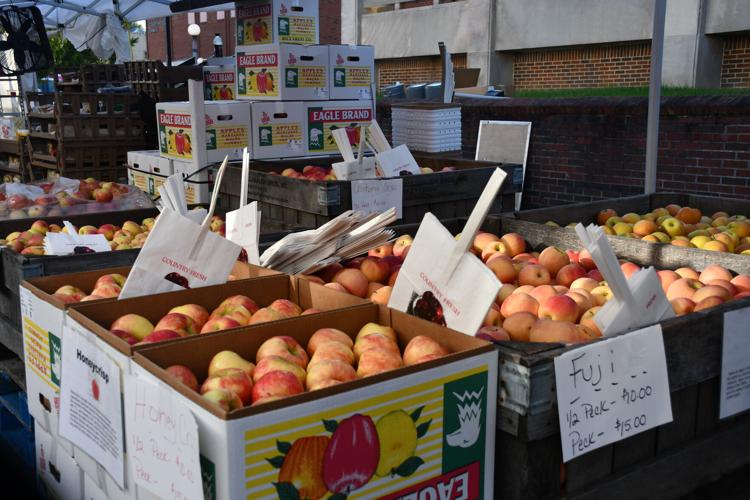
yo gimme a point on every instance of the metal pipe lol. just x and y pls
(654, 96)
(168, 32)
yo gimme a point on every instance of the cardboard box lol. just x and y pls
(56, 468)
(279, 129)
(197, 184)
(282, 72)
(269, 21)
(324, 117)
(219, 82)
(352, 71)
(444, 408)
(227, 131)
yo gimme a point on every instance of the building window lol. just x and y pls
(203, 17)
(220, 15)
(191, 18)
(231, 13)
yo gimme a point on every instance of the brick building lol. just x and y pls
(554, 44)
(222, 22)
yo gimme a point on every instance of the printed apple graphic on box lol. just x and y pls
(178, 279)
(315, 467)
(95, 389)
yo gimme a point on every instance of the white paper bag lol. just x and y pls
(243, 224)
(440, 280)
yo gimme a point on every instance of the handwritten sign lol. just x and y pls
(397, 161)
(65, 244)
(377, 196)
(611, 390)
(162, 441)
(91, 403)
(735, 364)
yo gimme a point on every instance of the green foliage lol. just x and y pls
(65, 54)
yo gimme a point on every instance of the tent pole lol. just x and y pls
(654, 96)
(168, 33)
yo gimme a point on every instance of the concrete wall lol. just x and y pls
(725, 16)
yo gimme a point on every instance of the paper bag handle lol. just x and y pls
(596, 243)
(342, 142)
(478, 214)
(378, 138)
(215, 194)
(245, 177)
(72, 232)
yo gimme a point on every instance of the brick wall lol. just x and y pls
(578, 67)
(735, 66)
(410, 70)
(594, 148)
(330, 32)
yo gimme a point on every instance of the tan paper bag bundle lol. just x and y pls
(440, 280)
(180, 254)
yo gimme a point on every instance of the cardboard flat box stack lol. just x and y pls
(405, 433)
(427, 127)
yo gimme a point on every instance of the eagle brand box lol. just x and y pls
(263, 21)
(325, 117)
(352, 69)
(279, 129)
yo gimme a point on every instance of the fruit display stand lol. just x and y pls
(288, 203)
(642, 252)
(16, 268)
(419, 428)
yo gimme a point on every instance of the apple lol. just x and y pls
(332, 350)
(382, 295)
(286, 308)
(124, 336)
(218, 324)
(177, 322)
(559, 308)
(241, 300)
(74, 294)
(328, 335)
(553, 259)
(683, 287)
(518, 325)
(502, 266)
(519, 302)
(264, 315)
(543, 292)
(421, 346)
(682, 306)
(514, 243)
(131, 227)
(40, 227)
(277, 363)
(549, 330)
(569, 273)
(493, 316)
(232, 379)
(311, 310)
(711, 291)
(673, 226)
(628, 269)
(714, 272)
(283, 346)
(584, 283)
(375, 270)
(107, 291)
(481, 240)
(401, 245)
(354, 281)
(229, 359)
(184, 375)
(321, 373)
(276, 385)
(377, 360)
(583, 300)
(160, 336)
(708, 303)
(535, 275)
(196, 312)
(490, 333)
(134, 324)
(741, 282)
(370, 328)
(116, 279)
(601, 294)
(374, 341)
(88, 230)
(329, 272)
(226, 399)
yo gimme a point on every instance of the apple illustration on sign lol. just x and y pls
(95, 389)
(177, 279)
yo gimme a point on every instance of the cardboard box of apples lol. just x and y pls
(416, 417)
(44, 302)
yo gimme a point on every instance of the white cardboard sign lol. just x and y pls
(394, 161)
(162, 440)
(378, 195)
(91, 403)
(354, 170)
(243, 228)
(611, 390)
(735, 364)
(65, 244)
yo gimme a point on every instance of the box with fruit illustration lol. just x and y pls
(43, 305)
(415, 419)
(269, 21)
(325, 117)
(282, 72)
(279, 129)
(227, 131)
(352, 69)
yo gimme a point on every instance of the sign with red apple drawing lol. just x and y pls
(610, 390)
(91, 404)
(162, 441)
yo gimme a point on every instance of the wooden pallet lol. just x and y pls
(161, 83)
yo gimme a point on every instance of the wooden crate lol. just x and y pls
(643, 252)
(161, 83)
(289, 204)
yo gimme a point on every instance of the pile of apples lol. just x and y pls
(192, 319)
(371, 276)
(126, 237)
(107, 286)
(91, 195)
(284, 368)
(681, 226)
(315, 173)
